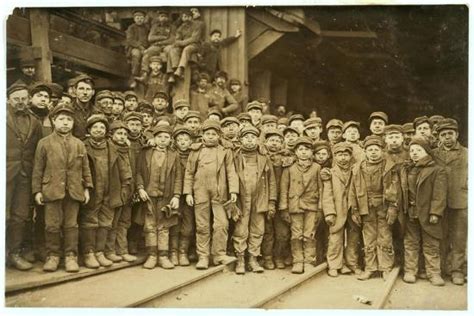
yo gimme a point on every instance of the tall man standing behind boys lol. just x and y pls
(61, 181)
(210, 179)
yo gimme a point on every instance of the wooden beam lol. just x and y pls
(258, 45)
(39, 25)
(356, 34)
(18, 30)
(180, 90)
(272, 21)
(260, 84)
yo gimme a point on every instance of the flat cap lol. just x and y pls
(393, 128)
(104, 94)
(191, 114)
(408, 128)
(118, 95)
(349, 124)
(180, 129)
(145, 107)
(229, 120)
(268, 118)
(39, 86)
(138, 12)
(27, 62)
(215, 111)
(420, 120)
(295, 117)
(249, 129)
(373, 140)
(334, 123)
(204, 75)
(62, 108)
(181, 104)
(254, 105)
(244, 117)
(81, 78)
(211, 124)
(273, 132)
(162, 128)
(117, 124)
(448, 123)
(341, 147)
(94, 118)
(234, 81)
(312, 122)
(56, 89)
(436, 119)
(161, 11)
(161, 94)
(130, 94)
(263, 100)
(129, 116)
(289, 129)
(423, 142)
(282, 121)
(304, 140)
(156, 58)
(380, 115)
(17, 86)
(321, 144)
(221, 74)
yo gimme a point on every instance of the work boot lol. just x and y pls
(103, 261)
(385, 275)
(309, 252)
(268, 263)
(409, 278)
(279, 263)
(357, 271)
(298, 268)
(29, 255)
(90, 261)
(183, 252)
(150, 262)
(457, 278)
(174, 258)
(333, 273)
(422, 275)
(224, 259)
(365, 275)
(345, 270)
(19, 263)
(437, 280)
(113, 257)
(288, 261)
(254, 265)
(70, 262)
(203, 263)
(165, 263)
(132, 247)
(51, 264)
(128, 257)
(183, 260)
(240, 266)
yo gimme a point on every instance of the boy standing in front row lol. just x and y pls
(61, 181)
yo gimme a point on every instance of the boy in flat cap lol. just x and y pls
(257, 199)
(118, 107)
(199, 97)
(40, 100)
(104, 101)
(297, 121)
(160, 103)
(377, 122)
(374, 198)
(334, 131)
(351, 135)
(230, 132)
(23, 134)
(192, 121)
(182, 234)
(300, 194)
(254, 109)
(189, 37)
(61, 159)
(156, 80)
(408, 133)
(425, 187)
(210, 179)
(181, 109)
(245, 119)
(210, 51)
(291, 135)
(322, 153)
(235, 89)
(454, 158)
(423, 127)
(136, 41)
(337, 185)
(159, 184)
(393, 138)
(27, 73)
(83, 107)
(148, 114)
(220, 97)
(313, 128)
(131, 101)
(276, 239)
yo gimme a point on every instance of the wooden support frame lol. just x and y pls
(39, 25)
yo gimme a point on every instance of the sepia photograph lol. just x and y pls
(266, 157)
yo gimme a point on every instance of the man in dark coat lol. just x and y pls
(23, 134)
(83, 106)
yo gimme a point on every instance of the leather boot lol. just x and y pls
(51, 264)
(102, 260)
(240, 265)
(18, 262)
(150, 262)
(436, 280)
(128, 257)
(70, 263)
(71, 241)
(268, 263)
(88, 238)
(457, 278)
(280, 263)
(174, 258)
(297, 253)
(113, 257)
(254, 265)
(90, 261)
(183, 251)
(29, 255)
(203, 263)
(309, 252)
(224, 259)
(365, 275)
(164, 262)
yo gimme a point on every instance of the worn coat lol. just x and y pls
(358, 198)
(431, 194)
(227, 179)
(266, 183)
(336, 198)
(56, 173)
(299, 194)
(455, 163)
(120, 176)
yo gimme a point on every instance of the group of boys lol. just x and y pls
(266, 190)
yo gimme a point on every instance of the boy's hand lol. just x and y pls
(189, 200)
(331, 220)
(356, 218)
(174, 203)
(271, 211)
(233, 197)
(238, 33)
(285, 216)
(391, 215)
(87, 196)
(39, 198)
(434, 219)
(143, 195)
(151, 142)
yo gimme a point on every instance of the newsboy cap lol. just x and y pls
(393, 128)
(162, 128)
(229, 120)
(423, 142)
(448, 123)
(341, 147)
(62, 108)
(420, 120)
(380, 115)
(322, 144)
(349, 124)
(254, 105)
(117, 124)
(334, 123)
(249, 129)
(304, 140)
(17, 86)
(94, 118)
(269, 118)
(408, 128)
(133, 116)
(211, 124)
(373, 140)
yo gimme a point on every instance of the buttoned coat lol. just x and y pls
(266, 183)
(456, 166)
(57, 172)
(431, 195)
(336, 198)
(227, 179)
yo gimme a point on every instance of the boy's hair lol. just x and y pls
(215, 31)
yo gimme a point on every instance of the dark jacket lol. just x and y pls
(81, 114)
(161, 34)
(210, 61)
(190, 33)
(336, 197)
(55, 173)
(137, 35)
